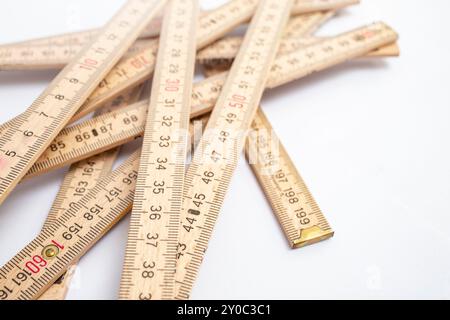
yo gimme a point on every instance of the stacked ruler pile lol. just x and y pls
(174, 204)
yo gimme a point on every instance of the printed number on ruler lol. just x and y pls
(150, 260)
(23, 142)
(216, 157)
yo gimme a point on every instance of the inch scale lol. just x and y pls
(150, 257)
(110, 130)
(22, 143)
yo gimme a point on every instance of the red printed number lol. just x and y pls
(36, 264)
(237, 101)
(88, 64)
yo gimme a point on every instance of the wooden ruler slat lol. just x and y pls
(27, 138)
(223, 52)
(43, 57)
(293, 204)
(212, 26)
(77, 143)
(150, 258)
(215, 159)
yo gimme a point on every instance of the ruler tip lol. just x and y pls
(311, 236)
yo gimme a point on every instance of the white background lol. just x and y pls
(371, 139)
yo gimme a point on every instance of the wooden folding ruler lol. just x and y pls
(115, 203)
(23, 142)
(107, 131)
(150, 258)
